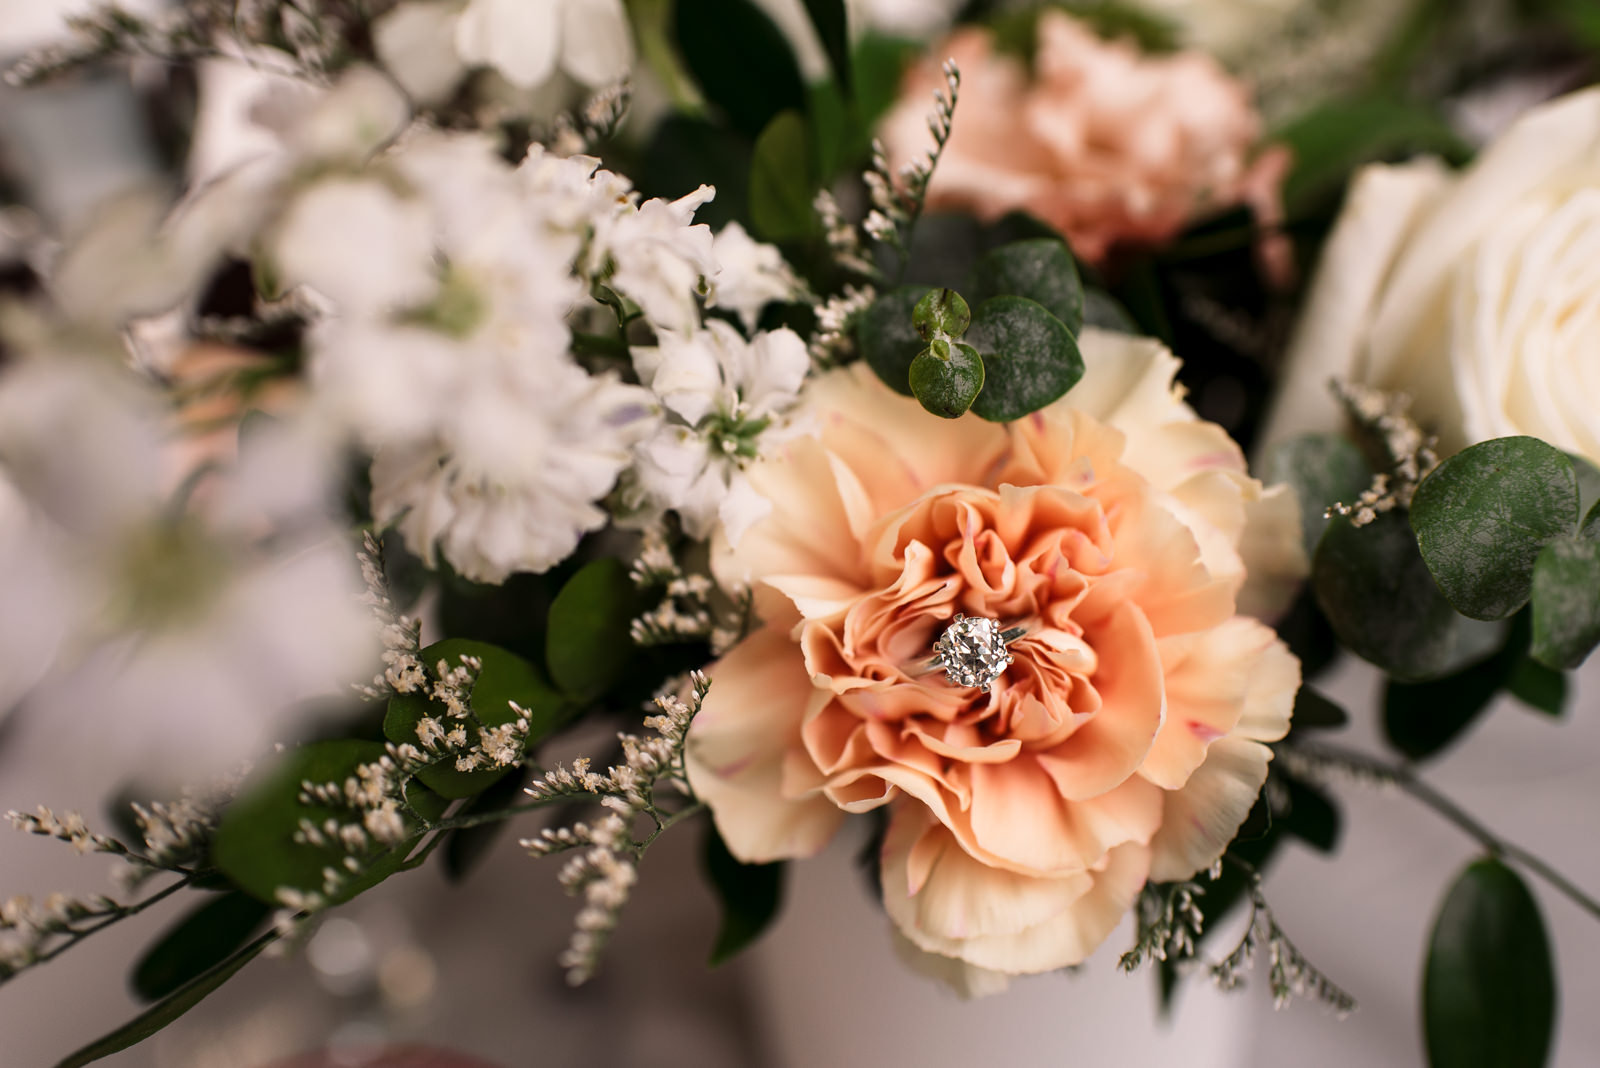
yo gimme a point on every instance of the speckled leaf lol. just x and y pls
(1483, 516)
(1377, 594)
(1041, 269)
(1324, 469)
(1489, 989)
(1591, 524)
(1030, 358)
(946, 378)
(888, 340)
(1566, 602)
(1102, 310)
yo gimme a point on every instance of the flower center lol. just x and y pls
(972, 651)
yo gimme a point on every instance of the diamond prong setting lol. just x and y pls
(972, 651)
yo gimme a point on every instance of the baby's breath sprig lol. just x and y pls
(1169, 924)
(403, 671)
(1289, 973)
(898, 200)
(690, 607)
(834, 339)
(176, 839)
(1409, 453)
(605, 854)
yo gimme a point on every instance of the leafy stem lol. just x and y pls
(1323, 757)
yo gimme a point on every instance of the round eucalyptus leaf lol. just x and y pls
(1030, 358)
(888, 340)
(1566, 602)
(946, 377)
(1041, 269)
(1489, 989)
(941, 311)
(1324, 469)
(1483, 516)
(1378, 596)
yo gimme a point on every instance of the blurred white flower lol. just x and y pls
(727, 395)
(162, 629)
(415, 42)
(527, 40)
(520, 490)
(750, 275)
(917, 19)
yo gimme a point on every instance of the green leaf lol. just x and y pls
(254, 845)
(941, 311)
(1324, 469)
(208, 935)
(1483, 515)
(466, 847)
(683, 152)
(751, 896)
(1591, 524)
(781, 181)
(888, 340)
(1311, 816)
(1030, 358)
(1566, 602)
(1489, 990)
(505, 677)
(587, 648)
(722, 41)
(1420, 719)
(165, 1012)
(1334, 139)
(1041, 269)
(833, 30)
(1377, 594)
(946, 378)
(1540, 688)
(1313, 711)
(1102, 310)
(1588, 483)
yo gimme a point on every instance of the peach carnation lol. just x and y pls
(1125, 742)
(1104, 143)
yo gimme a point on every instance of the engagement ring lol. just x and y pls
(972, 651)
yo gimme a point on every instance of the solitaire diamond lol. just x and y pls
(972, 651)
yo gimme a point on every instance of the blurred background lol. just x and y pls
(470, 967)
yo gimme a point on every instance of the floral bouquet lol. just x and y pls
(978, 425)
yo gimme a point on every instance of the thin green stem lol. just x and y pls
(1406, 778)
(122, 912)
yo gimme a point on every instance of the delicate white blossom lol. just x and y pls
(725, 396)
(750, 275)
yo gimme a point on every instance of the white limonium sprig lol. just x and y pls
(691, 605)
(605, 852)
(897, 199)
(1412, 452)
(1170, 924)
(1289, 974)
(403, 671)
(834, 341)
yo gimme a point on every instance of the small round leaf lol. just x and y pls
(888, 340)
(1030, 358)
(941, 311)
(1489, 990)
(1324, 469)
(1566, 602)
(1041, 269)
(1375, 591)
(1483, 516)
(947, 383)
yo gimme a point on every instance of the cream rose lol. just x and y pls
(1125, 742)
(1476, 293)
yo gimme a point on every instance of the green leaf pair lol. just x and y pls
(1499, 525)
(1019, 350)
